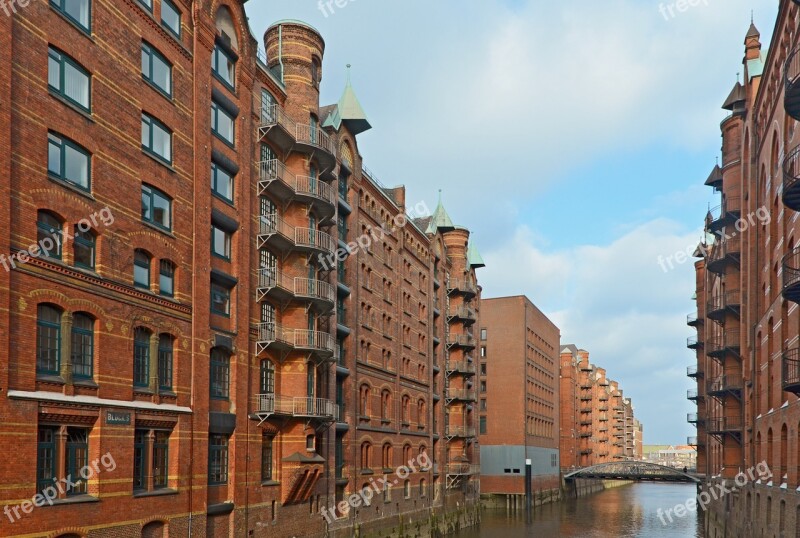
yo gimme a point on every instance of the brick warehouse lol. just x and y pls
(746, 344)
(518, 398)
(597, 421)
(205, 341)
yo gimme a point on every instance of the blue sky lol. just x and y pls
(572, 137)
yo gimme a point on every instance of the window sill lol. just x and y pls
(367, 471)
(158, 90)
(222, 199)
(84, 32)
(52, 379)
(77, 499)
(86, 383)
(160, 160)
(227, 143)
(72, 187)
(144, 391)
(163, 231)
(155, 493)
(86, 114)
(270, 483)
(167, 393)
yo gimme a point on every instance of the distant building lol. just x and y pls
(518, 396)
(678, 456)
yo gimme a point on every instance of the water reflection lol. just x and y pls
(626, 512)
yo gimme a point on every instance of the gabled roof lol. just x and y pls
(753, 31)
(715, 177)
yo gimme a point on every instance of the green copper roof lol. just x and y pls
(348, 111)
(755, 67)
(440, 219)
(474, 257)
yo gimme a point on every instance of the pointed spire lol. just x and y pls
(440, 220)
(474, 257)
(350, 109)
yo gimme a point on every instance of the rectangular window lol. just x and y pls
(223, 124)
(482, 426)
(67, 79)
(221, 183)
(84, 249)
(219, 382)
(220, 243)
(48, 231)
(483, 386)
(171, 18)
(77, 457)
(160, 459)
(156, 69)
(77, 11)
(483, 369)
(266, 458)
(483, 351)
(156, 138)
(139, 450)
(45, 457)
(217, 460)
(82, 347)
(223, 66)
(483, 404)
(68, 162)
(483, 334)
(156, 208)
(220, 300)
(166, 280)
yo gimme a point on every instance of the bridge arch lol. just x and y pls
(632, 470)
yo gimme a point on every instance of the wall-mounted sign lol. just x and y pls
(118, 417)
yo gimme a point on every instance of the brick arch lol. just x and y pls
(156, 245)
(71, 208)
(243, 38)
(68, 532)
(157, 527)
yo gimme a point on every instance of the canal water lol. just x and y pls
(623, 512)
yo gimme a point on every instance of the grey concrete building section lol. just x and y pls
(495, 460)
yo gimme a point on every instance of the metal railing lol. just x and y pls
(461, 367)
(791, 268)
(791, 368)
(272, 115)
(310, 186)
(724, 383)
(724, 300)
(460, 340)
(296, 406)
(459, 431)
(315, 137)
(462, 312)
(461, 285)
(463, 468)
(460, 394)
(314, 238)
(315, 289)
(298, 338)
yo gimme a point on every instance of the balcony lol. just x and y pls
(791, 276)
(276, 126)
(721, 425)
(726, 253)
(268, 405)
(461, 287)
(274, 285)
(791, 96)
(464, 368)
(724, 384)
(314, 141)
(723, 304)
(791, 371)
(725, 214)
(694, 342)
(585, 434)
(721, 345)
(695, 441)
(692, 394)
(463, 314)
(317, 193)
(463, 469)
(467, 341)
(463, 395)
(694, 371)
(274, 179)
(274, 337)
(694, 320)
(459, 431)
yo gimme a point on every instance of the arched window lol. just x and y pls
(406, 410)
(386, 399)
(366, 455)
(165, 359)
(84, 248)
(48, 340)
(82, 346)
(421, 413)
(141, 357)
(422, 488)
(154, 529)
(166, 278)
(141, 269)
(49, 234)
(387, 456)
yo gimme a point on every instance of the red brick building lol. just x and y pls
(746, 372)
(597, 420)
(186, 355)
(518, 393)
